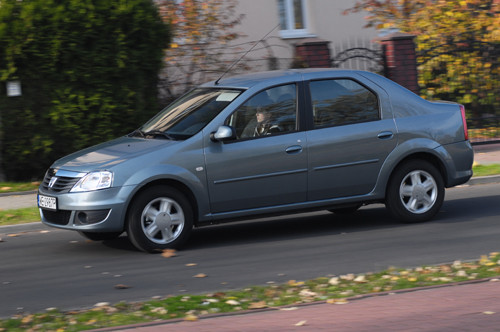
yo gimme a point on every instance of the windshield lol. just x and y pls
(188, 114)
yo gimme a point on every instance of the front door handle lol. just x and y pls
(385, 135)
(294, 149)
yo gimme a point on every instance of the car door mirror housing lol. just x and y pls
(223, 133)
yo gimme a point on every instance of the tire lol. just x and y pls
(415, 192)
(100, 236)
(159, 218)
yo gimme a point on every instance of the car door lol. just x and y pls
(255, 171)
(349, 140)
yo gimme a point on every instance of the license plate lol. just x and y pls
(47, 202)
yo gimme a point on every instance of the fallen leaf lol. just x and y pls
(101, 304)
(232, 302)
(360, 279)
(489, 312)
(200, 275)
(337, 301)
(289, 309)
(294, 283)
(159, 310)
(301, 323)
(121, 286)
(191, 264)
(167, 253)
(307, 293)
(191, 318)
(334, 281)
(13, 235)
(258, 305)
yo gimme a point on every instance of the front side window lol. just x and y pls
(342, 101)
(189, 114)
(269, 112)
(293, 21)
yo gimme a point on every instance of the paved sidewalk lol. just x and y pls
(463, 307)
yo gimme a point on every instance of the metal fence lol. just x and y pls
(484, 130)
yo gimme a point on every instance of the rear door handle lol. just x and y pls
(385, 135)
(294, 149)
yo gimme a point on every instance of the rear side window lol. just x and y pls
(339, 102)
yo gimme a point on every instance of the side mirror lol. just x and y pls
(223, 133)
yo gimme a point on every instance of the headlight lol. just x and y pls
(93, 181)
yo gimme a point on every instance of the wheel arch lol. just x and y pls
(178, 185)
(431, 158)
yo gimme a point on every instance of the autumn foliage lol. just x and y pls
(202, 30)
(458, 46)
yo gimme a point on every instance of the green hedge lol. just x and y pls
(88, 71)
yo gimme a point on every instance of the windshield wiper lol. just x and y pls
(136, 132)
(159, 133)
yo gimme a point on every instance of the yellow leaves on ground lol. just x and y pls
(200, 275)
(258, 305)
(167, 253)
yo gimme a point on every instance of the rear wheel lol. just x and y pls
(159, 218)
(415, 192)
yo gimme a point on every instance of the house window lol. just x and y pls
(293, 18)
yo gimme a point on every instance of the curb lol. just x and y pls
(298, 305)
(18, 193)
(483, 180)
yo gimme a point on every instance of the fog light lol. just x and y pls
(92, 217)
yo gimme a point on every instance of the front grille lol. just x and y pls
(60, 217)
(63, 184)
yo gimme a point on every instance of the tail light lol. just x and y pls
(464, 121)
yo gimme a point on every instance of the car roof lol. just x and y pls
(246, 81)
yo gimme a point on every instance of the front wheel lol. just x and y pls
(415, 192)
(159, 218)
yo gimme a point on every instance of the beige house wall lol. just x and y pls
(324, 21)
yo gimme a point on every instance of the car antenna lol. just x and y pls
(251, 48)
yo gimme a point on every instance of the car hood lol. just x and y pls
(106, 155)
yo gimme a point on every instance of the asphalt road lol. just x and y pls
(42, 268)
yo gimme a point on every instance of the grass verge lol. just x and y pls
(485, 170)
(9, 187)
(19, 216)
(332, 290)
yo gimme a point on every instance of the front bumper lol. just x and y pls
(95, 211)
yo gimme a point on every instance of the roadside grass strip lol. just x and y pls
(19, 216)
(332, 289)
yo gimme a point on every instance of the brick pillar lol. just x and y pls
(314, 52)
(400, 57)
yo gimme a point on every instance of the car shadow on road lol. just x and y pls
(278, 228)
(307, 225)
(315, 224)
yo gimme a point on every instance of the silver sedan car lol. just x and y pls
(263, 143)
